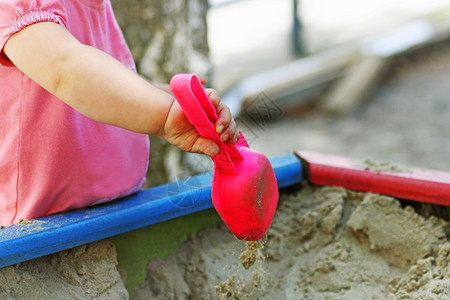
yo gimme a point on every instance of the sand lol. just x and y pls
(85, 272)
(385, 166)
(324, 243)
(251, 253)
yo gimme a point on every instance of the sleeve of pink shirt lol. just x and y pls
(15, 15)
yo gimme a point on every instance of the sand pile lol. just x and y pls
(85, 272)
(324, 243)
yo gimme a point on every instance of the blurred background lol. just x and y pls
(364, 79)
(402, 113)
(252, 36)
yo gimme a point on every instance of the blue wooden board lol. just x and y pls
(62, 231)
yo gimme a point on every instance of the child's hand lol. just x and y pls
(178, 131)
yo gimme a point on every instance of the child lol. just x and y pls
(75, 115)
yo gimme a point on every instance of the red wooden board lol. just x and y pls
(415, 184)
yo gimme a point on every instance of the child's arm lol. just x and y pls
(101, 88)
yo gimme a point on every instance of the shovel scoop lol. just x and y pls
(244, 187)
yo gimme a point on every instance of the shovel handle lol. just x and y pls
(201, 113)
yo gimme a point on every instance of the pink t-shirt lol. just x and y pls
(52, 158)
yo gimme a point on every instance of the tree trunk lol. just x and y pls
(165, 38)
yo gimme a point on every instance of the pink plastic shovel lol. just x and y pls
(244, 187)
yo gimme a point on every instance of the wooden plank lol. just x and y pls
(351, 90)
(312, 72)
(58, 232)
(375, 56)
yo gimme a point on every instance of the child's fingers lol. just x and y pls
(225, 118)
(206, 146)
(229, 133)
(225, 124)
(235, 138)
(214, 96)
(231, 138)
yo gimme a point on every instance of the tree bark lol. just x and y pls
(165, 38)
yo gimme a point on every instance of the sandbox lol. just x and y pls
(324, 243)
